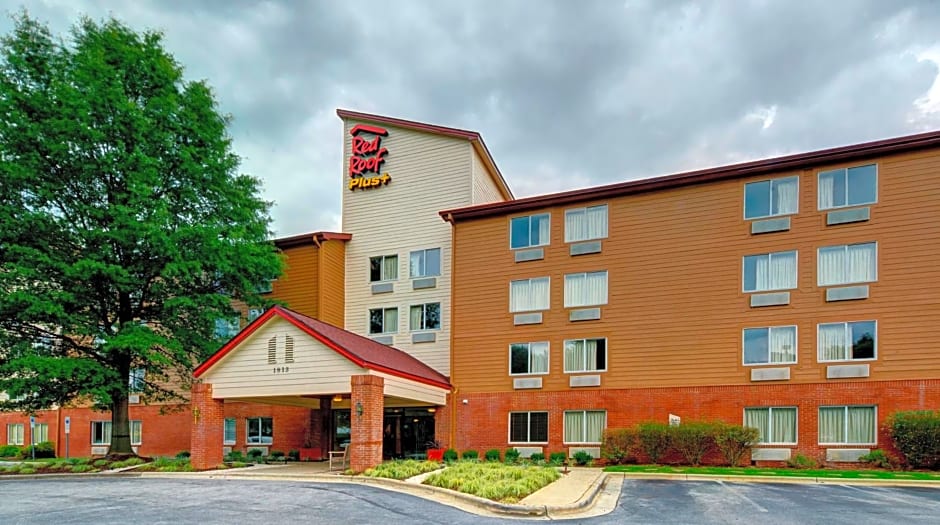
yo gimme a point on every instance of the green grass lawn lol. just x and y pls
(778, 472)
(492, 480)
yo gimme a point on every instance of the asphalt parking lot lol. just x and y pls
(214, 501)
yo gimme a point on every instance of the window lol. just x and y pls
(260, 431)
(528, 294)
(228, 432)
(136, 380)
(265, 286)
(425, 317)
(770, 345)
(528, 427)
(777, 425)
(585, 289)
(383, 268)
(529, 231)
(770, 198)
(383, 320)
(100, 432)
(585, 355)
(425, 263)
(15, 434)
(846, 264)
(584, 224)
(137, 432)
(770, 271)
(847, 425)
(254, 313)
(528, 358)
(40, 433)
(585, 426)
(846, 341)
(848, 187)
(226, 328)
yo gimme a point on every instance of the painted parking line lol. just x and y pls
(740, 495)
(884, 495)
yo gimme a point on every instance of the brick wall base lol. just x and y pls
(365, 447)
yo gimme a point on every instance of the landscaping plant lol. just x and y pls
(916, 435)
(511, 456)
(494, 481)
(880, 459)
(734, 441)
(469, 454)
(450, 455)
(537, 457)
(619, 445)
(799, 461)
(556, 459)
(402, 469)
(492, 454)
(582, 458)
(693, 440)
(653, 439)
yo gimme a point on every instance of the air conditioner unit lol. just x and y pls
(133, 399)
(99, 451)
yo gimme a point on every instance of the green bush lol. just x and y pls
(492, 454)
(276, 455)
(100, 463)
(255, 454)
(799, 461)
(450, 455)
(78, 469)
(734, 441)
(10, 451)
(537, 457)
(619, 445)
(46, 449)
(182, 455)
(469, 454)
(880, 459)
(916, 435)
(129, 462)
(402, 469)
(511, 456)
(235, 456)
(653, 439)
(582, 458)
(557, 458)
(27, 470)
(294, 455)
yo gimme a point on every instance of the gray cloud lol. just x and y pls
(566, 94)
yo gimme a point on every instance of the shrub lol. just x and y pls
(582, 458)
(734, 441)
(294, 455)
(653, 439)
(46, 449)
(255, 454)
(182, 455)
(619, 445)
(10, 451)
(800, 461)
(402, 469)
(511, 456)
(276, 455)
(693, 440)
(469, 454)
(537, 457)
(557, 458)
(880, 459)
(916, 435)
(492, 454)
(129, 462)
(78, 469)
(27, 470)
(450, 455)
(235, 456)
(100, 463)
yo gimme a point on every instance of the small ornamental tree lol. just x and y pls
(125, 227)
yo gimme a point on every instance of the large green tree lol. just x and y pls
(125, 228)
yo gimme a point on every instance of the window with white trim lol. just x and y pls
(771, 198)
(137, 432)
(383, 320)
(529, 231)
(585, 289)
(847, 425)
(770, 271)
(585, 224)
(526, 295)
(15, 433)
(586, 355)
(770, 345)
(847, 264)
(383, 268)
(227, 328)
(425, 317)
(425, 263)
(136, 380)
(528, 358)
(100, 432)
(585, 426)
(777, 425)
(228, 431)
(845, 187)
(528, 427)
(259, 430)
(40, 433)
(848, 341)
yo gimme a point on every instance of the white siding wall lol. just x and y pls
(316, 370)
(405, 388)
(484, 188)
(429, 173)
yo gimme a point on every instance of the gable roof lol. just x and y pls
(476, 140)
(790, 162)
(362, 351)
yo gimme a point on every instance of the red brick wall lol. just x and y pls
(290, 424)
(207, 430)
(483, 423)
(365, 449)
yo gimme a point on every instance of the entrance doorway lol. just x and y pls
(405, 431)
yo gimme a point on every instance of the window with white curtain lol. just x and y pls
(137, 432)
(383, 320)
(40, 433)
(529, 231)
(585, 355)
(526, 295)
(425, 263)
(585, 426)
(383, 268)
(770, 271)
(15, 434)
(847, 264)
(777, 425)
(848, 187)
(528, 358)
(771, 198)
(847, 425)
(228, 431)
(770, 345)
(425, 317)
(528, 427)
(846, 341)
(585, 289)
(583, 224)
(100, 432)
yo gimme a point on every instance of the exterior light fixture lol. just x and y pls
(432, 410)
(337, 398)
(358, 409)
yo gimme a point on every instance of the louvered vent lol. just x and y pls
(288, 349)
(272, 350)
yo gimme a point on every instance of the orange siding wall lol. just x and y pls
(293, 287)
(330, 284)
(676, 309)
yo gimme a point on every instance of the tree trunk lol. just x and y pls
(120, 428)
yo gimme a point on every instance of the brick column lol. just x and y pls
(365, 447)
(205, 445)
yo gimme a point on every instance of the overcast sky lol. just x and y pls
(566, 94)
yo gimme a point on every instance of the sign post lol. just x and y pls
(32, 435)
(68, 427)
